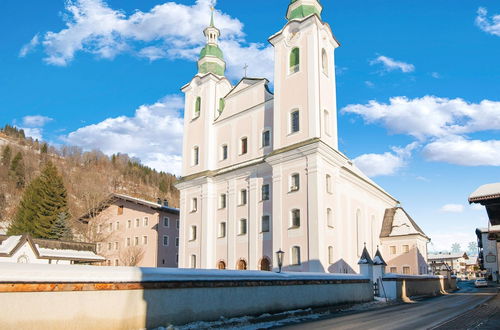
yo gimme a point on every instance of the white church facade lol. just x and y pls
(262, 172)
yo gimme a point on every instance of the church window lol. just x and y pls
(265, 224)
(194, 205)
(358, 232)
(324, 58)
(222, 201)
(328, 124)
(193, 261)
(330, 255)
(224, 153)
(244, 146)
(243, 197)
(294, 182)
(294, 121)
(243, 227)
(196, 156)
(222, 230)
(266, 138)
(328, 184)
(197, 107)
(222, 105)
(295, 218)
(295, 260)
(329, 217)
(265, 192)
(294, 60)
(193, 233)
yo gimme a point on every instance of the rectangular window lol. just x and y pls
(244, 146)
(243, 227)
(406, 270)
(116, 262)
(327, 123)
(178, 224)
(165, 240)
(99, 229)
(194, 205)
(294, 122)
(330, 255)
(177, 241)
(192, 234)
(136, 241)
(328, 184)
(329, 218)
(265, 192)
(196, 156)
(295, 182)
(295, 221)
(224, 153)
(222, 230)
(110, 228)
(243, 197)
(266, 139)
(146, 221)
(222, 201)
(128, 241)
(406, 248)
(193, 261)
(266, 223)
(166, 222)
(394, 270)
(116, 246)
(137, 223)
(117, 225)
(110, 246)
(144, 240)
(120, 210)
(393, 249)
(129, 224)
(295, 255)
(99, 246)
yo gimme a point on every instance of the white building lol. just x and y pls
(263, 172)
(489, 248)
(25, 249)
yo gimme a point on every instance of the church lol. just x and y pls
(262, 171)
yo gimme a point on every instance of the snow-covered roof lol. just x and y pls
(487, 191)
(49, 249)
(399, 223)
(93, 274)
(448, 256)
(378, 259)
(471, 261)
(489, 230)
(365, 259)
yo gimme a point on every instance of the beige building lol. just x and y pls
(262, 171)
(133, 232)
(442, 263)
(404, 244)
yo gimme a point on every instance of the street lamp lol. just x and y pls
(280, 254)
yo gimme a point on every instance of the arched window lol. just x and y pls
(197, 107)
(329, 217)
(324, 58)
(193, 261)
(330, 255)
(294, 60)
(328, 124)
(295, 256)
(222, 105)
(329, 183)
(241, 265)
(265, 264)
(358, 232)
(221, 265)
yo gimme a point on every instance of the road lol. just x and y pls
(423, 314)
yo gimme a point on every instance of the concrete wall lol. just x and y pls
(401, 287)
(85, 297)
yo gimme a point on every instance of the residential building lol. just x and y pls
(488, 195)
(26, 249)
(442, 263)
(472, 268)
(488, 240)
(130, 231)
(262, 170)
(403, 243)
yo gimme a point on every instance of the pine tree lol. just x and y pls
(6, 155)
(17, 170)
(45, 148)
(43, 210)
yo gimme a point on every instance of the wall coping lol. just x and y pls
(398, 277)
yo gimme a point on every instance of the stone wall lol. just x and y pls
(85, 297)
(402, 287)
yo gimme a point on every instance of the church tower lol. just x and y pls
(305, 96)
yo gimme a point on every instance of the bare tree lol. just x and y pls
(132, 256)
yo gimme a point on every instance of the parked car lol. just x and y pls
(480, 282)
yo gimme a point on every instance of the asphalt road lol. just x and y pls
(422, 314)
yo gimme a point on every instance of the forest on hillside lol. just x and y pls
(88, 176)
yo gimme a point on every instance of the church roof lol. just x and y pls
(365, 258)
(378, 259)
(212, 50)
(390, 227)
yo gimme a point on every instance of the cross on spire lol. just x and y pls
(245, 68)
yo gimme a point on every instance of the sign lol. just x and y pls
(490, 258)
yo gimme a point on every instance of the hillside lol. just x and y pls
(88, 176)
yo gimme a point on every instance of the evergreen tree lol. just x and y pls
(6, 155)
(45, 148)
(17, 170)
(43, 210)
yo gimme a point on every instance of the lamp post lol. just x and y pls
(279, 255)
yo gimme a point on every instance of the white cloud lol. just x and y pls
(435, 75)
(452, 208)
(36, 121)
(391, 64)
(369, 84)
(169, 30)
(460, 151)
(30, 46)
(430, 116)
(34, 133)
(153, 134)
(488, 25)
(385, 164)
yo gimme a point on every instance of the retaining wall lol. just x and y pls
(85, 297)
(402, 287)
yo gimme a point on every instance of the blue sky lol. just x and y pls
(418, 85)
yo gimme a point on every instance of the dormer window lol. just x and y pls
(294, 60)
(197, 108)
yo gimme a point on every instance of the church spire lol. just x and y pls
(211, 56)
(299, 9)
